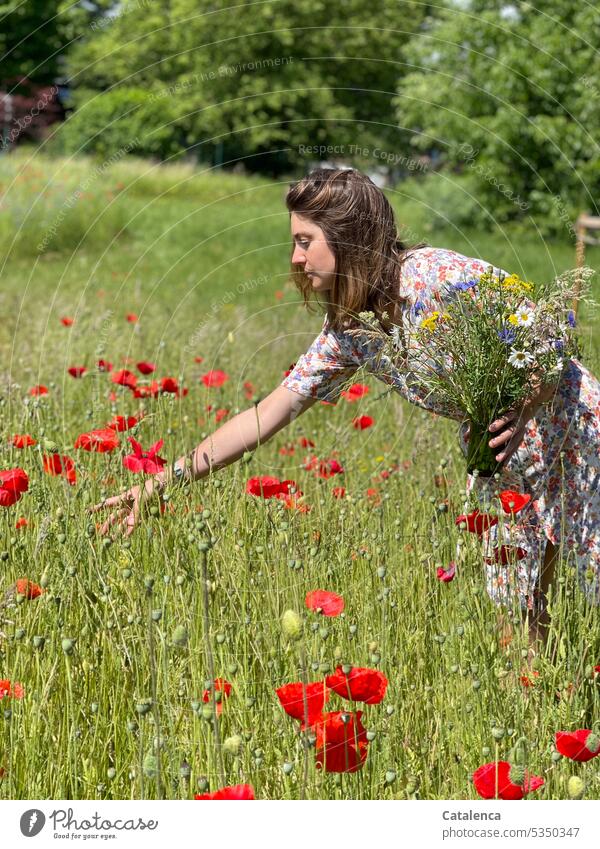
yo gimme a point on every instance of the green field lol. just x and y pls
(202, 259)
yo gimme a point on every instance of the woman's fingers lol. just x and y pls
(503, 420)
(111, 502)
(113, 519)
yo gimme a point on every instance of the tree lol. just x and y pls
(510, 93)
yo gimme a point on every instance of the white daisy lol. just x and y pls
(525, 316)
(520, 359)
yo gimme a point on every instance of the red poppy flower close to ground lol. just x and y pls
(322, 601)
(359, 685)
(27, 588)
(39, 390)
(101, 441)
(10, 691)
(477, 522)
(338, 491)
(341, 743)
(22, 440)
(499, 780)
(214, 378)
(506, 554)
(324, 469)
(356, 391)
(144, 367)
(77, 371)
(144, 461)
(124, 377)
(60, 464)
(518, 501)
(362, 422)
(237, 792)
(268, 487)
(220, 414)
(292, 698)
(121, 423)
(169, 385)
(249, 390)
(151, 391)
(581, 745)
(220, 686)
(104, 365)
(131, 317)
(13, 483)
(21, 523)
(67, 321)
(289, 369)
(198, 359)
(448, 574)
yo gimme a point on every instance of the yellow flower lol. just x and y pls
(514, 319)
(513, 283)
(429, 323)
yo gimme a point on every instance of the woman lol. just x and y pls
(346, 246)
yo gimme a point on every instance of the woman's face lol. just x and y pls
(312, 251)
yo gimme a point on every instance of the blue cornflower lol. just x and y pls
(571, 318)
(507, 335)
(559, 345)
(464, 285)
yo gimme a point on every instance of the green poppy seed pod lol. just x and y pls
(126, 573)
(50, 446)
(144, 706)
(19, 633)
(232, 668)
(180, 580)
(111, 773)
(150, 765)
(291, 625)
(202, 783)
(486, 751)
(94, 707)
(323, 633)
(132, 725)
(390, 710)
(517, 774)
(246, 456)
(375, 658)
(195, 705)
(556, 757)
(232, 745)
(157, 614)
(250, 701)
(154, 511)
(180, 636)
(106, 542)
(207, 712)
(381, 572)
(593, 742)
(38, 642)
(412, 784)
(575, 787)
(185, 770)
(148, 582)
(68, 645)
(498, 733)
(126, 544)
(390, 776)
(476, 684)
(220, 639)
(204, 545)
(353, 629)
(371, 736)
(287, 768)
(62, 538)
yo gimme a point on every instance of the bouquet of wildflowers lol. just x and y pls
(486, 347)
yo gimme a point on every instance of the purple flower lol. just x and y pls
(507, 335)
(464, 285)
(571, 318)
(559, 344)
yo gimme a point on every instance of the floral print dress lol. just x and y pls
(557, 463)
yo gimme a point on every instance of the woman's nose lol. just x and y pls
(298, 257)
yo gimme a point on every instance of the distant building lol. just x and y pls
(27, 110)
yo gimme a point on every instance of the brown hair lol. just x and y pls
(359, 225)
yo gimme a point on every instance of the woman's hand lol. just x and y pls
(510, 427)
(128, 506)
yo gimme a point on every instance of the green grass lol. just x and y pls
(199, 258)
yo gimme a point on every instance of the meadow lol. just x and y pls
(115, 657)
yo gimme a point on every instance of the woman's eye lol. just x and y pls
(303, 244)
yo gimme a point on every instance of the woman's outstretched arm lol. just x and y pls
(227, 444)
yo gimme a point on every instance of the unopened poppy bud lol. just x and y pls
(38, 642)
(390, 710)
(202, 783)
(287, 768)
(412, 784)
(575, 787)
(44, 580)
(68, 645)
(207, 712)
(111, 773)
(291, 625)
(232, 745)
(157, 615)
(144, 706)
(180, 636)
(390, 776)
(185, 770)
(371, 736)
(517, 774)
(220, 639)
(498, 733)
(150, 765)
(381, 572)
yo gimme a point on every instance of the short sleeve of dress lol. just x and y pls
(325, 368)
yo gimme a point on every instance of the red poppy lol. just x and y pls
(39, 390)
(169, 385)
(77, 371)
(221, 686)
(198, 359)
(249, 390)
(341, 743)
(322, 601)
(526, 681)
(292, 698)
(581, 745)
(267, 487)
(477, 522)
(323, 468)
(362, 422)
(60, 464)
(291, 502)
(503, 781)
(359, 685)
(21, 523)
(215, 377)
(448, 574)
(144, 461)
(237, 792)
(131, 317)
(507, 554)
(124, 377)
(287, 450)
(13, 483)
(516, 499)
(22, 440)
(104, 365)
(67, 321)
(306, 443)
(338, 491)
(151, 391)
(220, 414)
(121, 423)
(145, 367)
(25, 587)
(101, 441)
(289, 369)
(278, 294)
(8, 690)
(356, 391)
(373, 495)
